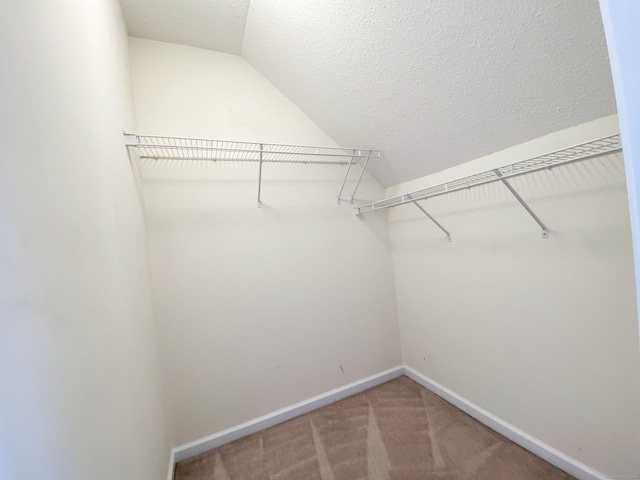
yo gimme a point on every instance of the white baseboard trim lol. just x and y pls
(196, 447)
(172, 464)
(526, 441)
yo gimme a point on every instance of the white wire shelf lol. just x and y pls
(202, 149)
(183, 148)
(583, 151)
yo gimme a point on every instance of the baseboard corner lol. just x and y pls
(526, 441)
(191, 449)
(172, 464)
(537, 447)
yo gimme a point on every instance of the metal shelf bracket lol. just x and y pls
(423, 210)
(344, 182)
(545, 230)
(364, 168)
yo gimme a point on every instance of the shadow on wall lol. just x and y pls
(211, 193)
(208, 170)
(378, 224)
(219, 169)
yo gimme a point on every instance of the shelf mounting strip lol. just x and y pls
(576, 153)
(184, 148)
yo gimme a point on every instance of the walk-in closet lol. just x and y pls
(280, 240)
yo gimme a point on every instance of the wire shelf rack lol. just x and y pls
(184, 148)
(584, 151)
(201, 149)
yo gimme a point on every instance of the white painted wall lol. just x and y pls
(620, 23)
(257, 308)
(80, 394)
(541, 333)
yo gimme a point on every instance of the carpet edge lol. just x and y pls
(196, 447)
(555, 457)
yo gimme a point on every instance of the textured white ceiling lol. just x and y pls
(213, 24)
(431, 83)
(434, 83)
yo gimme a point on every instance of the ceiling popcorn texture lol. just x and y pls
(434, 83)
(431, 83)
(215, 25)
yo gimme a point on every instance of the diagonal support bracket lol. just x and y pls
(344, 182)
(545, 230)
(364, 168)
(449, 239)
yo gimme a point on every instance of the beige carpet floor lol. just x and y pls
(396, 431)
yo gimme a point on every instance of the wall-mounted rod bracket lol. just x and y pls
(449, 239)
(545, 230)
(344, 182)
(260, 177)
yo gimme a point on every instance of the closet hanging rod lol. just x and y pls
(584, 151)
(185, 148)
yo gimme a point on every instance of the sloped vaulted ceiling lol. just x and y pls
(212, 24)
(431, 83)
